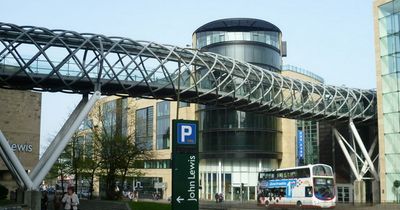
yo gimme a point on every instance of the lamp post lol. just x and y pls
(81, 187)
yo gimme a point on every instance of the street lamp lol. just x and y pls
(81, 187)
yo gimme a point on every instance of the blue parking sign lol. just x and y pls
(186, 133)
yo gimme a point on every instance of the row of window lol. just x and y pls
(317, 170)
(285, 174)
(114, 114)
(211, 37)
(153, 164)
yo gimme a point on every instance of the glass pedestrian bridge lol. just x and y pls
(35, 58)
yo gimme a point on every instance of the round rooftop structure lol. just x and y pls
(238, 24)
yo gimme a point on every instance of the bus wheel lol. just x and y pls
(299, 204)
(267, 203)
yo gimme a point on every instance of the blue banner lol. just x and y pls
(300, 144)
(286, 184)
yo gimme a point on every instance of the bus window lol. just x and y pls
(279, 175)
(324, 188)
(308, 192)
(303, 173)
(320, 170)
(328, 171)
(293, 174)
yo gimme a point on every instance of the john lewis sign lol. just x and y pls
(185, 165)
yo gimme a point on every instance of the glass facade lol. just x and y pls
(223, 130)
(227, 176)
(389, 36)
(310, 137)
(235, 145)
(211, 37)
(144, 127)
(163, 125)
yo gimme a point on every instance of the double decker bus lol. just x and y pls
(310, 186)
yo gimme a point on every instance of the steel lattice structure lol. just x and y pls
(60, 60)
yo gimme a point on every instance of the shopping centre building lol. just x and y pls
(234, 145)
(387, 52)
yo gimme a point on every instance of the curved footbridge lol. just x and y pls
(36, 58)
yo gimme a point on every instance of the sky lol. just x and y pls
(332, 38)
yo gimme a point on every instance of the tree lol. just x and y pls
(62, 167)
(103, 146)
(115, 143)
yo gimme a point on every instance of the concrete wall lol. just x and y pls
(20, 123)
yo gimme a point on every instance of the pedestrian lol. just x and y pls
(136, 195)
(216, 197)
(70, 200)
(220, 197)
(44, 201)
(57, 201)
(130, 195)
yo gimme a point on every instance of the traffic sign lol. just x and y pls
(186, 133)
(185, 136)
(185, 165)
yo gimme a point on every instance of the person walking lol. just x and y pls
(70, 200)
(57, 201)
(44, 201)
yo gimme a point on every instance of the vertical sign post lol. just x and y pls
(185, 165)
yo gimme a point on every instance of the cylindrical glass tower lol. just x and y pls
(235, 145)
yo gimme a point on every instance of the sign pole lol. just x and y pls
(185, 165)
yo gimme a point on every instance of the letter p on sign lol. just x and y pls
(186, 133)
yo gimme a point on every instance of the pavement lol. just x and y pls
(212, 205)
(250, 205)
(91, 204)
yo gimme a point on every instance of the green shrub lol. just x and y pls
(149, 206)
(3, 192)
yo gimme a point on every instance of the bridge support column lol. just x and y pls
(376, 192)
(32, 198)
(359, 191)
(360, 161)
(31, 183)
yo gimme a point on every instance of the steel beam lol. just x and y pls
(365, 167)
(9, 165)
(72, 127)
(339, 139)
(58, 138)
(364, 150)
(13, 159)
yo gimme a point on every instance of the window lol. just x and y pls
(157, 164)
(321, 170)
(183, 104)
(163, 125)
(108, 115)
(114, 114)
(144, 128)
(266, 175)
(308, 192)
